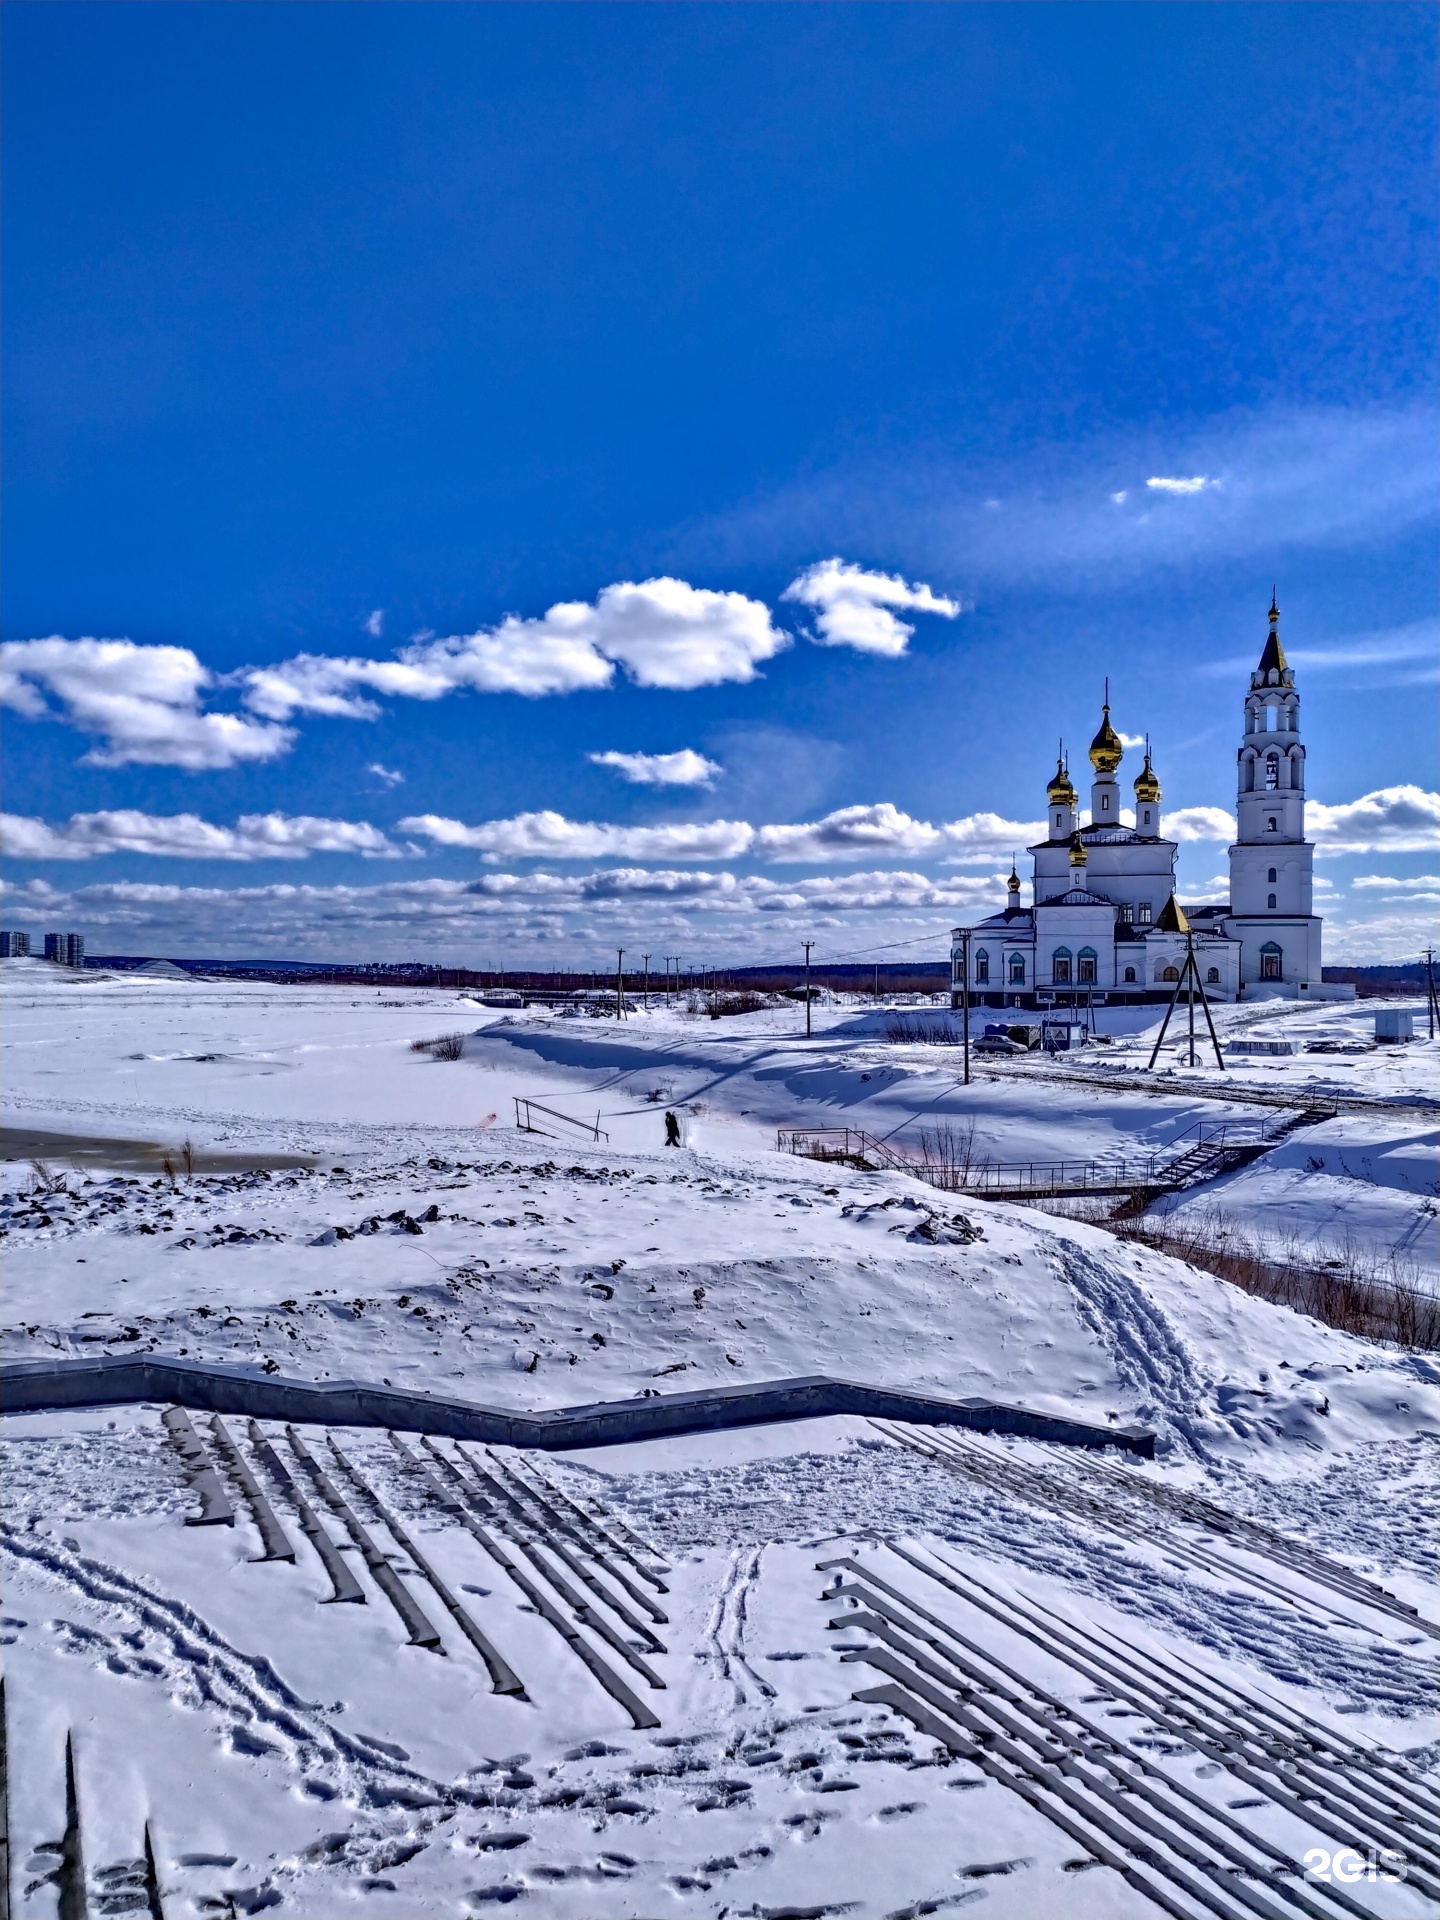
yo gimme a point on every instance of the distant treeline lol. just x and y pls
(903, 977)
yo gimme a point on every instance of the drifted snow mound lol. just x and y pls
(537, 1283)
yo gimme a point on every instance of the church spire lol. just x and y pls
(1272, 660)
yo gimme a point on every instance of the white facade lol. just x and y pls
(1103, 922)
(1272, 863)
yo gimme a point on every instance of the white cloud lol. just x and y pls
(854, 606)
(1417, 883)
(1130, 740)
(255, 836)
(1294, 479)
(143, 703)
(849, 833)
(387, 775)
(1167, 483)
(375, 623)
(548, 835)
(664, 632)
(1401, 819)
(1198, 823)
(686, 768)
(988, 836)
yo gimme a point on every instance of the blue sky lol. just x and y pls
(343, 343)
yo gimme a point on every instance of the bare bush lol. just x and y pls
(445, 1046)
(947, 1151)
(720, 1006)
(44, 1179)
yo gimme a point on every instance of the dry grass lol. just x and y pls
(445, 1046)
(924, 1033)
(1349, 1289)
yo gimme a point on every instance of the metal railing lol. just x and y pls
(523, 1120)
(1202, 1151)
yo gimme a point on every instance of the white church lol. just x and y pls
(1104, 926)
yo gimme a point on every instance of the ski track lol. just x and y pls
(1149, 1357)
(875, 1492)
(169, 1643)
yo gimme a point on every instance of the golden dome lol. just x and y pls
(1078, 855)
(1013, 885)
(1060, 791)
(1106, 752)
(1147, 786)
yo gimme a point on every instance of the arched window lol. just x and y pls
(1104, 803)
(1129, 976)
(1249, 773)
(1169, 973)
(1087, 959)
(1272, 823)
(1145, 821)
(1270, 959)
(1212, 976)
(1272, 876)
(1272, 772)
(1017, 969)
(1269, 899)
(982, 968)
(1060, 966)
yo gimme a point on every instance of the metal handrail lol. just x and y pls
(1206, 1139)
(594, 1128)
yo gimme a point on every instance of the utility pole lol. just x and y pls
(1430, 988)
(646, 958)
(619, 983)
(877, 982)
(965, 997)
(807, 944)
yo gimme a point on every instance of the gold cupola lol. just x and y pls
(1078, 856)
(1106, 751)
(1060, 792)
(1012, 888)
(1147, 785)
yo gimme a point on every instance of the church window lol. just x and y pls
(1269, 899)
(1272, 876)
(982, 968)
(1059, 821)
(1087, 959)
(1273, 823)
(1125, 910)
(1212, 976)
(1129, 976)
(1272, 772)
(1270, 958)
(1143, 913)
(1060, 966)
(1146, 820)
(1169, 973)
(1105, 802)
(1017, 969)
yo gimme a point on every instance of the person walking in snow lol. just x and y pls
(672, 1129)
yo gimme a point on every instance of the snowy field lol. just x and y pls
(354, 1209)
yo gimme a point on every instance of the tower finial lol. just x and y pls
(1274, 605)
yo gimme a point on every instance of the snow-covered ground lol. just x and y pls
(292, 1753)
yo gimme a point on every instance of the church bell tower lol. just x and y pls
(1271, 862)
